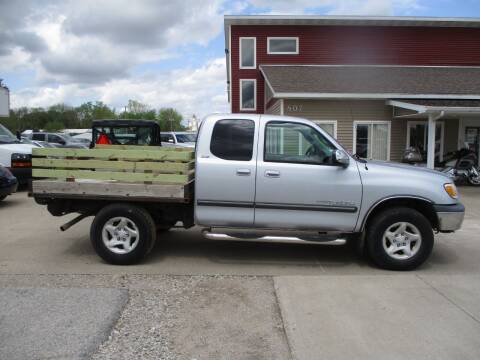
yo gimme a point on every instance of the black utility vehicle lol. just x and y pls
(126, 132)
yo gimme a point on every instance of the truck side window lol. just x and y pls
(291, 142)
(54, 139)
(233, 139)
(167, 138)
(38, 137)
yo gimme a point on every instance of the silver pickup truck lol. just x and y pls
(275, 178)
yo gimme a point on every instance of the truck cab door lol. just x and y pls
(225, 172)
(299, 185)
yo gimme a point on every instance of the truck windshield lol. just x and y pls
(6, 137)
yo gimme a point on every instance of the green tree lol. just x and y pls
(89, 111)
(170, 120)
(54, 126)
(137, 107)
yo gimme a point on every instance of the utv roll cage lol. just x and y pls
(127, 132)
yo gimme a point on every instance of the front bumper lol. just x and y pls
(450, 217)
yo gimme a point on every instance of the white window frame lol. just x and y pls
(410, 124)
(254, 95)
(283, 38)
(368, 122)
(254, 52)
(333, 122)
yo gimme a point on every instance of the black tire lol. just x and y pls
(356, 244)
(137, 215)
(3, 197)
(386, 219)
(474, 181)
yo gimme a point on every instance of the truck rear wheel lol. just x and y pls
(399, 239)
(122, 234)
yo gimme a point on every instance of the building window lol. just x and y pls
(248, 56)
(233, 139)
(417, 136)
(290, 142)
(330, 126)
(282, 45)
(248, 94)
(371, 139)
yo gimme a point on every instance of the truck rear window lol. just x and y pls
(233, 139)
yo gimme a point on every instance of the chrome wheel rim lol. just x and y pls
(402, 241)
(120, 235)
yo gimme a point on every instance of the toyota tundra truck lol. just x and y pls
(253, 178)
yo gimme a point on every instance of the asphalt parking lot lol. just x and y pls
(201, 299)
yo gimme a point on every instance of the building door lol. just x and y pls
(417, 136)
(472, 138)
(297, 185)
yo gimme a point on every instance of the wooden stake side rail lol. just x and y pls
(123, 164)
(142, 147)
(163, 167)
(101, 190)
(118, 154)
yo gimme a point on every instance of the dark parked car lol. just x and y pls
(57, 139)
(8, 183)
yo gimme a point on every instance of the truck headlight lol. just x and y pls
(451, 190)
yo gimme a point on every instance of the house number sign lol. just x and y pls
(294, 108)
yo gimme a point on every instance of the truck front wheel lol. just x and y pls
(122, 234)
(399, 239)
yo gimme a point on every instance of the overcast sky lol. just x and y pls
(162, 53)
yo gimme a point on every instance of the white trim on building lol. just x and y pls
(254, 95)
(372, 122)
(328, 122)
(254, 66)
(297, 45)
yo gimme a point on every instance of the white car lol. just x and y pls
(179, 139)
(15, 155)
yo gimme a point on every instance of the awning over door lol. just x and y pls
(434, 109)
(423, 107)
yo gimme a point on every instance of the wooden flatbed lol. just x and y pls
(114, 172)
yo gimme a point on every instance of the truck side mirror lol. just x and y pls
(340, 158)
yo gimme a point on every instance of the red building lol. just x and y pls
(375, 83)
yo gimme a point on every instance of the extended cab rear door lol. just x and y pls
(225, 171)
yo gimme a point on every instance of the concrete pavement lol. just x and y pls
(378, 317)
(66, 323)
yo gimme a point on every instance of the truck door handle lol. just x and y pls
(272, 173)
(243, 172)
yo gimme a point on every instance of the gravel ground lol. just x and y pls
(198, 318)
(184, 317)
